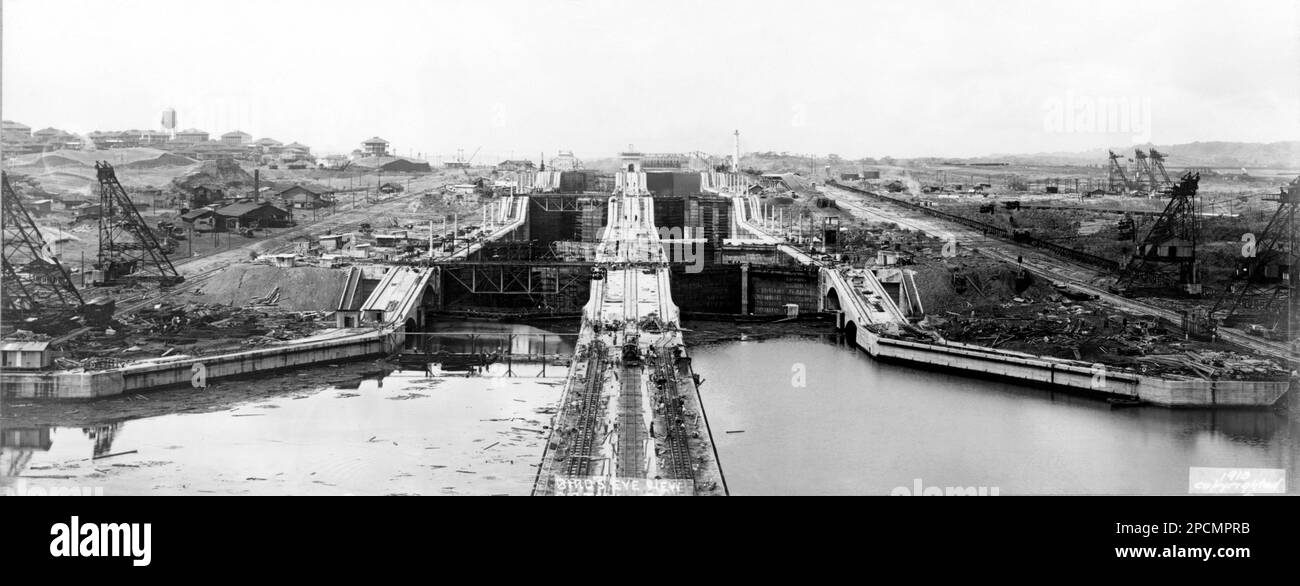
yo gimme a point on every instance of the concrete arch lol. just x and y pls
(851, 333)
(832, 300)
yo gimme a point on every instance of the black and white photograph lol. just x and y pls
(674, 248)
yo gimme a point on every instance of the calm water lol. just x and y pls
(857, 427)
(863, 427)
(404, 432)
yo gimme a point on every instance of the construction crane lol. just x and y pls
(33, 279)
(1143, 177)
(128, 250)
(1171, 241)
(1270, 268)
(1117, 180)
(1158, 164)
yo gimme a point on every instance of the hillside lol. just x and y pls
(1273, 155)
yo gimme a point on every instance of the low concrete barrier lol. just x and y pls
(185, 370)
(1075, 376)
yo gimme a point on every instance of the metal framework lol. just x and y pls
(1276, 245)
(560, 203)
(1144, 177)
(1157, 164)
(33, 279)
(1116, 180)
(518, 278)
(127, 247)
(514, 250)
(1179, 224)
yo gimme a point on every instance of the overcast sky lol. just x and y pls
(856, 78)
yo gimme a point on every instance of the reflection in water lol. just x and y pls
(472, 347)
(519, 339)
(519, 344)
(103, 436)
(17, 445)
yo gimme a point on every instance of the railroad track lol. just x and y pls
(989, 229)
(158, 295)
(583, 443)
(677, 464)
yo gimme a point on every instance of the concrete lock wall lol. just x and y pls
(169, 374)
(60, 385)
(141, 377)
(1154, 390)
(1235, 393)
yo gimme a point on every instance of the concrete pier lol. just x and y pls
(336, 346)
(630, 422)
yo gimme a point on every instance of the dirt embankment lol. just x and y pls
(963, 283)
(980, 301)
(291, 289)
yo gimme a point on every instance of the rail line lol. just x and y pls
(583, 445)
(677, 460)
(998, 231)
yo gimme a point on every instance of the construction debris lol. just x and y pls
(190, 329)
(1093, 333)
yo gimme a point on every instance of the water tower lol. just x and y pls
(169, 121)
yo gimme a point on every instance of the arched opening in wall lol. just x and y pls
(851, 334)
(631, 168)
(409, 327)
(832, 302)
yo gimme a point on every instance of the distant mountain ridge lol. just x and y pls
(1284, 155)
